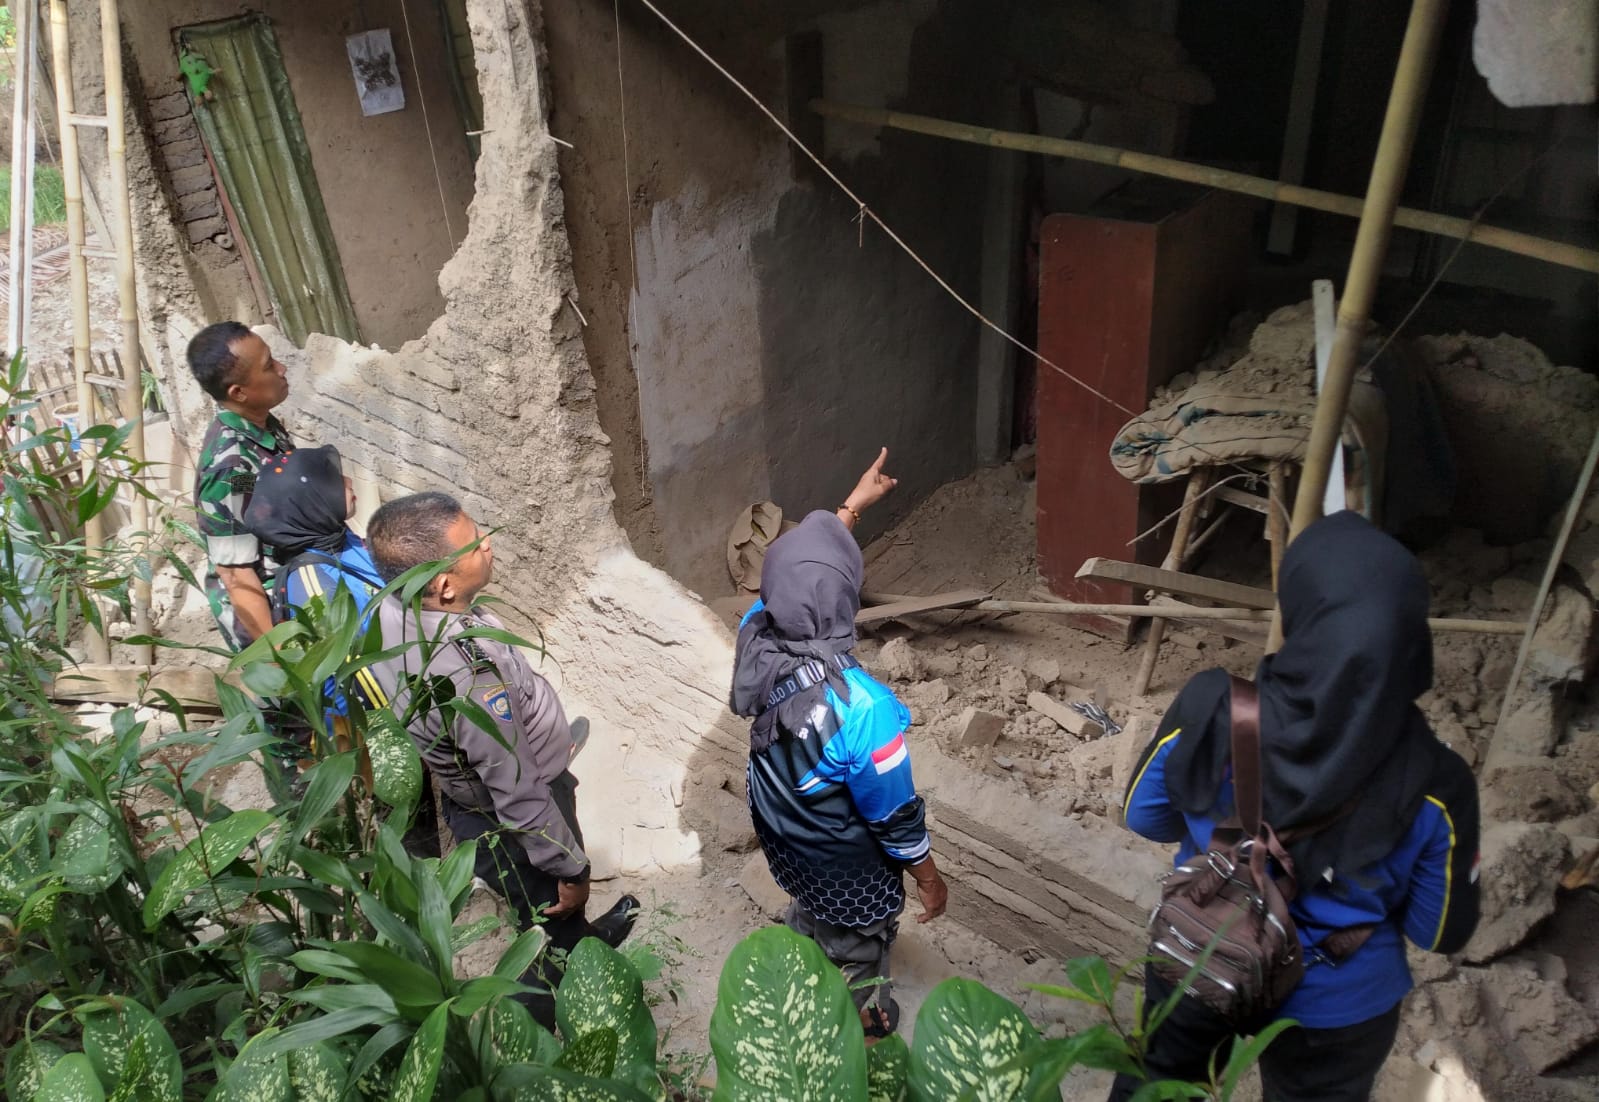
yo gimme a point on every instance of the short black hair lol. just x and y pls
(410, 531)
(211, 356)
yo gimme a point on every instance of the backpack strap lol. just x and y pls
(1246, 755)
(280, 580)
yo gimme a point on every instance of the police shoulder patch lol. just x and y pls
(498, 702)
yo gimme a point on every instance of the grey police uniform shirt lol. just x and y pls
(527, 789)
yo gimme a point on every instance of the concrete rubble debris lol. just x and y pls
(977, 728)
(1517, 874)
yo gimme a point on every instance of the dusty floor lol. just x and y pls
(696, 909)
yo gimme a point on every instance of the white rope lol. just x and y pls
(867, 212)
(422, 97)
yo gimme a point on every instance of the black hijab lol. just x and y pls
(299, 503)
(811, 591)
(1338, 719)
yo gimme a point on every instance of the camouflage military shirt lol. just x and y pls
(231, 454)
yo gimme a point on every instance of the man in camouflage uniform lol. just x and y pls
(235, 367)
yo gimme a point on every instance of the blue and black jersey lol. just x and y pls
(835, 806)
(1424, 890)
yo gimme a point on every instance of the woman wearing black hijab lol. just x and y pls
(1341, 740)
(830, 787)
(300, 506)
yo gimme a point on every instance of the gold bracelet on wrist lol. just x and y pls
(851, 512)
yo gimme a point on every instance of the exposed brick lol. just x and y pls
(200, 204)
(204, 229)
(183, 154)
(168, 131)
(437, 373)
(169, 107)
(187, 181)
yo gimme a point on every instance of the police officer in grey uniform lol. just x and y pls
(519, 803)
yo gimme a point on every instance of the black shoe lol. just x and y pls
(614, 925)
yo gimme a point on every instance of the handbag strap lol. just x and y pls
(1246, 755)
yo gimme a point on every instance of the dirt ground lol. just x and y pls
(696, 910)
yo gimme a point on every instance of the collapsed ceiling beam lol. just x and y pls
(1444, 225)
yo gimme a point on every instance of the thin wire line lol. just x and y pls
(632, 256)
(422, 97)
(1454, 254)
(867, 212)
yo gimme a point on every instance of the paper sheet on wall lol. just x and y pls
(377, 73)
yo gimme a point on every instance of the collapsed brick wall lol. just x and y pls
(181, 155)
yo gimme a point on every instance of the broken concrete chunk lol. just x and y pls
(923, 697)
(1562, 647)
(1513, 594)
(978, 728)
(756, 880)
(1046, 671)
(1130, 744)
(1530, 732)
(1538, 1018)
(1012, 683)
(898, 661)
(1531, 790)
(1077, 724)
(1520, 865)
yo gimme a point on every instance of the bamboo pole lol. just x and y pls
(1444, 225)
(1195, 612)
(22, 147)
(1556, 554)
(1175, 556)
(72, 178)
(1371, 245)
(127, 300)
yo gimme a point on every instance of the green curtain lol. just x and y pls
(252, 127)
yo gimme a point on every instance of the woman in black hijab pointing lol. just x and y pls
(1384, 816)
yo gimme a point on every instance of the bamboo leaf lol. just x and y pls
(326, 783)
(1245, 1056)
(406, 981)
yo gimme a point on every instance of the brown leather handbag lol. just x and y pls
(1227, 901)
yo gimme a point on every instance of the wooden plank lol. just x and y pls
(1244, 498)
(1243, 631)
(1173, 581)
(960, 598)
(193, 687)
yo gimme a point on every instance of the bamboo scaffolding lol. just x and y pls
(1371, 245)
(127, 299)
(23, 134)
(1444, 225)
(72, 179)
(1242, 615)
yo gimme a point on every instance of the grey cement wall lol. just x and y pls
(766, 349)
(747, 340)
(376, 174)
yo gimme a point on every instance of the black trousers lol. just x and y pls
(504, 865)
(1301, 1065)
